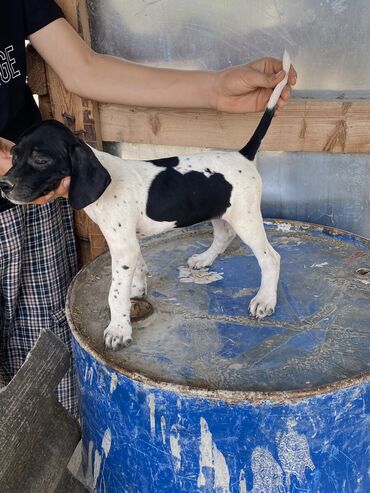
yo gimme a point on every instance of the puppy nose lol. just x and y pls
(6, 185)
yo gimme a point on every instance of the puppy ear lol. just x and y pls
(89, 178)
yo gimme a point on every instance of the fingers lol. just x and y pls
(5, 146)
(270, 65)
(284, 96)
(5, 165)
(61, 191)
(292, 76)
(50, 197)
(259, 79)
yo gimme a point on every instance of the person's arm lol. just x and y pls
(114, 80)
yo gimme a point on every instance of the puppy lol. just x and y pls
(126, 198)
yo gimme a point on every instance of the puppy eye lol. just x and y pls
(41, 160)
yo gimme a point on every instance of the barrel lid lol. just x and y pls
(200, 334)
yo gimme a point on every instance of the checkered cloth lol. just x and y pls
(37, 263)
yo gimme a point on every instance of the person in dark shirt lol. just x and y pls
(37, 250)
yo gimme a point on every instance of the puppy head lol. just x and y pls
(43, 156)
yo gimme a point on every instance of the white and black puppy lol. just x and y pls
(126, 198)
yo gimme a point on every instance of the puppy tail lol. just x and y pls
(250, 149)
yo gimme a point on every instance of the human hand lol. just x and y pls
(61, 191)
(5, 156)
(247, 88)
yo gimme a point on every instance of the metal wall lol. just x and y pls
(328, 39)
(328, 189)
(329, 43)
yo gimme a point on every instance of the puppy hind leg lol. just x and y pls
(223, 236)
(263, 304)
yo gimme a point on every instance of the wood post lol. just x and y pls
(82, 117)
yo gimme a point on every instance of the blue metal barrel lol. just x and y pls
(207, 399)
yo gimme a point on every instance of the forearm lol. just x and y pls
(114, 80)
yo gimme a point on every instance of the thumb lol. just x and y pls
(63, 188)
(259, 79)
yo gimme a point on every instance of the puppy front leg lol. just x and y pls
(118, 334)
(139, 283)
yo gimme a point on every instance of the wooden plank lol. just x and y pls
(304, 125)
(37, 435)
(80, 115)
(43, 449)
(36, 75)
(36, 79)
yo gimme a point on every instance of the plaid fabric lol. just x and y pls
(37, 263)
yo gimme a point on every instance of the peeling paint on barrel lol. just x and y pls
(213, 470)
(162, 442)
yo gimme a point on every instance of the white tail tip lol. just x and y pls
(274, 98)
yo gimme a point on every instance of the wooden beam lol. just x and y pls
(36, 76)
(80, 115)
(303, 125)
(38, 436)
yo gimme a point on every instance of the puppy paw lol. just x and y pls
(117, 337)
(198, 261)
(262, 306)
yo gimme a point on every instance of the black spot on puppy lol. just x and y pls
(125, 267)
(188, 198)
(166, 162)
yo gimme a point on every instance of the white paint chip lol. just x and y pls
(89, 373)
(294, 454)
(283, 227)
(152, 413)
(113, 383)
(211, 457)
(163, 429)
(97, 465)
(107, 441)
(267, 474)
(175, 447)
(242, 482)
(198, 276)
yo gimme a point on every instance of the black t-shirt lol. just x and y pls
(18, 20)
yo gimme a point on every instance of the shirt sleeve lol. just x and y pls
(39, 13)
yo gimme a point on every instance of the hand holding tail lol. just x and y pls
(250, 149)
